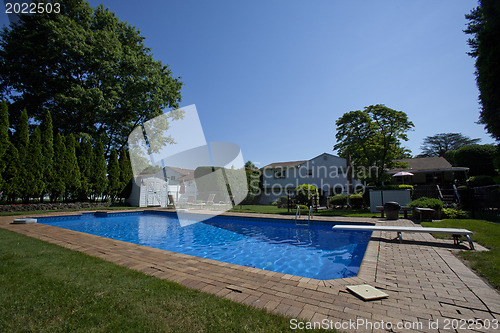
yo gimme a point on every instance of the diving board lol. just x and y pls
(455, 232)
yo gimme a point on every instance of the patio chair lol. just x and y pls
(223, 204)
(171, 201)
(190, 201)
(210, 200)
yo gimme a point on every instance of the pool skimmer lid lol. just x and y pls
(24, 221)
(367, 292)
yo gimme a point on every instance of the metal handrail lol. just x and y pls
(309, 217)
(297, 213)
(439, 192)
(457, 194)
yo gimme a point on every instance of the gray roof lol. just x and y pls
(435, 163)
(284, 164)
(292, 163)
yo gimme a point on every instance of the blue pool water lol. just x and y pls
(314, 251)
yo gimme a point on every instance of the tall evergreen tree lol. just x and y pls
(4, 136)
(72, 179)
(114, 184)
(58, 183)
(33, 164)
(126, 174)
(21, 141)
(47, 142)
(99, 180)
(12, 182)
(85, 158)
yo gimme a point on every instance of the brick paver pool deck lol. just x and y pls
(426, 283)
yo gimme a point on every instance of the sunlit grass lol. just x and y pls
(47, 288)
(487, 264)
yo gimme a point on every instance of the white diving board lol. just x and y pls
(455, 232)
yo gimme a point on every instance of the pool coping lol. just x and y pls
(429, 299)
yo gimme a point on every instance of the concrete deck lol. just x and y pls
(430, 290)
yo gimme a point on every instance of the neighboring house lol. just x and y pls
(326, 171)
(429, 171)
(153, 189)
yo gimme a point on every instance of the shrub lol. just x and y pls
(425, 202)
(283, 201)
(395, 187)
(477, 181)
(452, 213)
(479, 158)
(305, 193)
(339, 200)
(356, 201)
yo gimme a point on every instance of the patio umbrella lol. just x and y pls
(402, 174)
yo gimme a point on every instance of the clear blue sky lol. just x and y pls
(274, 76)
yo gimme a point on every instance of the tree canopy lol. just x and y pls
(479, 158)
(484, 26)
(372, 139)
(89, 68)
(439, 144)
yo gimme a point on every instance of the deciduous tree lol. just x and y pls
(439, 144)
(89, 68)
(479, 158)
(484, 26)
(372, 139)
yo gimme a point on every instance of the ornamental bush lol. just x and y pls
(477, 181)
(425, 202)
(305, 193)
(356, 201)
(395, 187)
(303, 208)
(282, 202)
(339, 200)
(452, 213)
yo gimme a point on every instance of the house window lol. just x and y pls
(280, 174)
(309, 172)
(172, 177)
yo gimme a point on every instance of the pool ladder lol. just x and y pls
(309, 216)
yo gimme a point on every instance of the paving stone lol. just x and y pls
(424, 280)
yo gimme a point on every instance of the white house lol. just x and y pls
(326, 171)
(154, 189)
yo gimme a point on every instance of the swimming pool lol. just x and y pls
(313, 251)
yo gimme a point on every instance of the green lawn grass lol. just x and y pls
(487, 264)
(47, 288)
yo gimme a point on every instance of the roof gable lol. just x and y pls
(296, 163)
(426, 163)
